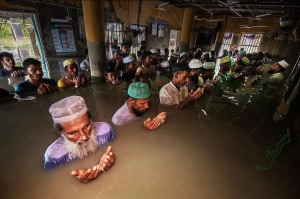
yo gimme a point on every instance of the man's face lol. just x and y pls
(184, 58)
(72, 70)
(275, 69)
(208, 74)
(139, 106)
(115, 42)
(78, 130)
(35, 72)
(111, 76)
(195, 72)
(8, 63)
(148, 60)
(116, 55)
(125, 49)
(154, 57)
(181, 78)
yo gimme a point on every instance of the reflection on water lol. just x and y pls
(207, 150)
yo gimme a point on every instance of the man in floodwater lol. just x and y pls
(136, 105)
(79, 137)
(175, 92)
(36, 82)
(73, 78)
(10, 69)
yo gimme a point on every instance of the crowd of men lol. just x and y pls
(192, 74)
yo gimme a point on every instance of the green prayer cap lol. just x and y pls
(138, 90)
(224, 60)
(246, 61)
(232, 63)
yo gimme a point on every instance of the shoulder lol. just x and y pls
(61, 82)
(55, 154)
(21, 87)
(102, 127)
(123, 115)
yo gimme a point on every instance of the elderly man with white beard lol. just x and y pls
(79, 137)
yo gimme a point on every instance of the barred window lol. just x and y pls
(250, 42)
(114, 30)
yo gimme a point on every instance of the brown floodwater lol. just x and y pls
(208, 150)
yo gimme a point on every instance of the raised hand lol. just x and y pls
(151, 124)
(42, 89)
(107, 159)
(77, 81)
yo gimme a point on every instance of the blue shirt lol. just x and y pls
(26, 87)
(56, 154)
(5, 72)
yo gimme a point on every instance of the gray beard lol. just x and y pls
(81, 151)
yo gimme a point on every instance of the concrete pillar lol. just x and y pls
(220, 36)
(95, 34)
(187, 28)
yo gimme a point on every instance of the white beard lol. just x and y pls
(81, 151)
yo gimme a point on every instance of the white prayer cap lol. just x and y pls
(68, 109)
(182, 54)
(195, 63)
(164, 64)
(128, 59)
(284, 64)
(154, 51)
(209, 65)
(175, 54)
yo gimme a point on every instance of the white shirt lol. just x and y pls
(170, 95)
(85, 65)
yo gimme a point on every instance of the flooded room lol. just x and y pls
(129, 99)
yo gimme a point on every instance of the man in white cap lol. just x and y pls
(195, 70)
(129, 68)
(79, 137)
(173, 59)
(184, 57)
(276, 71)
(175, 92)
(155, 57)
(35, 82)
(165, 66)
(73, 78)
(136, 105)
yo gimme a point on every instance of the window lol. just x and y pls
(114, 30)
(141, 36)
(226, 42)
(250, 42)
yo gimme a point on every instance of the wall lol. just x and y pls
(172, 18)
(45, 12)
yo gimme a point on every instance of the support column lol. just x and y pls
(187, 28)
(95, 34)
(220, 36)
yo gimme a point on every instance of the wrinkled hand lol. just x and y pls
(151, 124)
(161, 117)
(107, 159)
(42, 89)
(86, 175)
(193, 95)
(77, 81)
(49, 88)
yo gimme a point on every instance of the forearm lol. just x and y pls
(184, 103)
